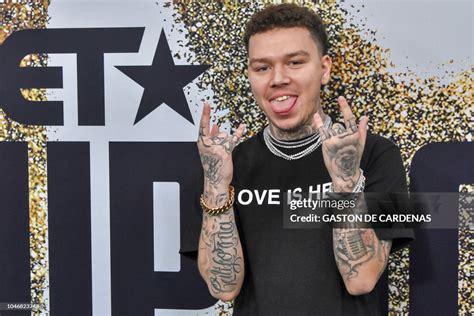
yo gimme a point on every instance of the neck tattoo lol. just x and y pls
(299, 133)
(307, 144)
(302, 132)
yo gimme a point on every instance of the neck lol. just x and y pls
(296, 133)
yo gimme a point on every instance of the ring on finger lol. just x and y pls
(351, 124)
(324, 133)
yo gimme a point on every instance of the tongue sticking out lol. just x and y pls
(283, 107)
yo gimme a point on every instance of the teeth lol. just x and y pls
(282, 98)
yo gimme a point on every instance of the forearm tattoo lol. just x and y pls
(214, 199)
(221, 257)
(354, 247)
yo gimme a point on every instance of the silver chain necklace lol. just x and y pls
(273, 142)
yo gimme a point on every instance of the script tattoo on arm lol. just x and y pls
(353, 248)
(221, 252)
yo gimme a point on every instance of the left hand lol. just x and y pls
(342, 147)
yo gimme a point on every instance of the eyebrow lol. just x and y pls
(289, 55)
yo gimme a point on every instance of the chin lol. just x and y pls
(289, 125)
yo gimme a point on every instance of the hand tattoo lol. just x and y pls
(222, 139)
(344, 160)
(341, 154)
(211, 166)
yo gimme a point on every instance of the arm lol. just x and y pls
(220, 257)
(360, 256)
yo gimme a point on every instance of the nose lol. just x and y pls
(279, 77)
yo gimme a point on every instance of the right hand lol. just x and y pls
(215, 150)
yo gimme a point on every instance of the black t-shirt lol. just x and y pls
(293, 271)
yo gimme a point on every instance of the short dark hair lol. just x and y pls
(285, 16)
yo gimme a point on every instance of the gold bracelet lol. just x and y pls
(223, 208)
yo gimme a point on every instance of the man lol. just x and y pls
(244, 252)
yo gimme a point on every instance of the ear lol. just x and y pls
(326, 64)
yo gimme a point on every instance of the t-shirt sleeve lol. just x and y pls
(385, 174)
(191, 217)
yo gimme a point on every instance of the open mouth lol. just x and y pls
(283, 104)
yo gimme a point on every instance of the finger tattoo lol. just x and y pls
(351, 124)
(324, 133)
(338, 128)
(225, 141)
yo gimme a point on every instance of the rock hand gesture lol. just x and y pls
(215, 149)
(342, 147)
(220, 256)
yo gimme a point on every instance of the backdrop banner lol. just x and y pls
(100, 104)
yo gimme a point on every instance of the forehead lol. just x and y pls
(280, 42)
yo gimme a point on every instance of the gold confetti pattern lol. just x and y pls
(410, 111)
(224, 308)
(14, 17)
(215, 31)
(398, 282)
(466, 251)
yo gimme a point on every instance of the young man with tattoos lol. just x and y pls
(244, 253)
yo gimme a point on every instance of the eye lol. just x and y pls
(295, 62)
(261, 69)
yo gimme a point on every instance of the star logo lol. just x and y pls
(163, 82)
